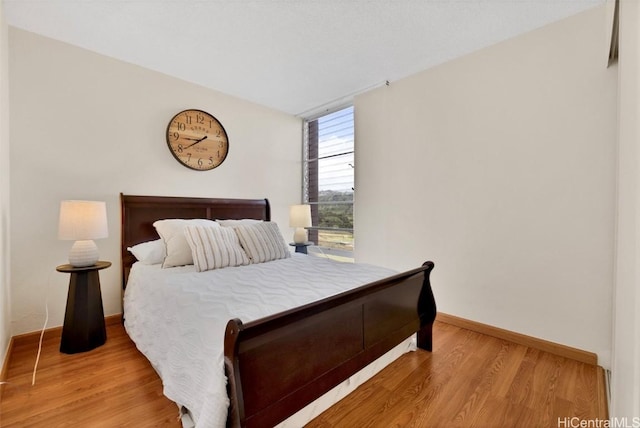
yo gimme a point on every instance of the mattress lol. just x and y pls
(177, 317)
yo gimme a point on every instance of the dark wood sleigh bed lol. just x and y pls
(277, 365)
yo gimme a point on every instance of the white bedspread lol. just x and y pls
(177, 317)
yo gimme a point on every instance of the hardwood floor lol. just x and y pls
(110, 386)
(473, 380)
(470, 380)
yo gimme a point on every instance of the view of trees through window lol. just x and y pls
(329, 179)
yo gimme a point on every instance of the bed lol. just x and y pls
(277, 364)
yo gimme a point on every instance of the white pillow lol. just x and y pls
(262, 241)
(233, 223)
(150, 252)
(172, 233)
(214, 247)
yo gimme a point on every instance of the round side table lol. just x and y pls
(301, 248)
(83, 328)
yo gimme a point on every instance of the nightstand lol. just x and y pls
(301, 248)
(84, 327)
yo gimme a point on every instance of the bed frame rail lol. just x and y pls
(278, 365)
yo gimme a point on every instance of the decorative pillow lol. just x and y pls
(150, 252)
(214, 247)
(262, 241)
(234, 223)
(172, 233)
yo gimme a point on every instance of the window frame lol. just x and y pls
(311, 165)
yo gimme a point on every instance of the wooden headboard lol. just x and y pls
(139, 213)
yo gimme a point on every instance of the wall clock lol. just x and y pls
(197, 140)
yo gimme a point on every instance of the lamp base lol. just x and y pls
(83, 253)
(300, 235)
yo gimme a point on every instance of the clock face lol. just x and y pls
(197, 140)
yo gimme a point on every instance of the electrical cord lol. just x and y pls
(46, 320)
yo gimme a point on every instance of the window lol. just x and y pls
(328, 178)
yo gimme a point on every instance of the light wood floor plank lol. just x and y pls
(110, 386)
(469, 380)
(472, 380)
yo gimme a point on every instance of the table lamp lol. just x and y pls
(300, 217)
(82, 222)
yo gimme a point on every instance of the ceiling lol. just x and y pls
(292, 55)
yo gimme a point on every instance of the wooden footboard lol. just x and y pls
(278, 365)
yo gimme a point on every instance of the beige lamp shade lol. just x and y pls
(300, 217)
(83, 221)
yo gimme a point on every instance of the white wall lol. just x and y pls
(5, 297)
(84, 126)
(500, 167)
(625, 386)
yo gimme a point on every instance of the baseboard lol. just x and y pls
(5, 367)
(33, 337)
(603, 394)
(521, 339)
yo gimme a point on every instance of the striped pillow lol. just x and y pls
(262, 241)
(178, 252)
(214, 247)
